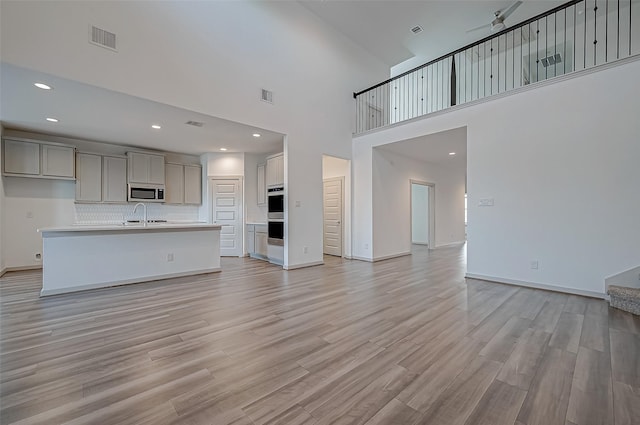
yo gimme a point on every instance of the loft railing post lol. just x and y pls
(453, 80)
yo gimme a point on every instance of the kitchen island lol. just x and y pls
(81, 257)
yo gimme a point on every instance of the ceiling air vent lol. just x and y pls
(417, 29)
(102, 38)
(195, 123)
(551, 60)
(267, 96)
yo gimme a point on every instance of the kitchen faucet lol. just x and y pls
(144, 210)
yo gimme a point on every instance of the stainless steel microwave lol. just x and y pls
(145, 192)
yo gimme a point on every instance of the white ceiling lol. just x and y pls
(434, 148)
(95, 114)
(383, 27)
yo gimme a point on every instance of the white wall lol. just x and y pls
(2, 207)
(338, 167)
(560, 162)
(213, 58)
(392, 200)
(419, 213)
(29, 204)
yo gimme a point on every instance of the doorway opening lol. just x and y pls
(226, 210)
(336, 206)
(422, 221)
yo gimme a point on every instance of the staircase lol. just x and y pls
(624, 290)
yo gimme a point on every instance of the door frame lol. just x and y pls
(431, 212)
(240, 179)
(342, 226)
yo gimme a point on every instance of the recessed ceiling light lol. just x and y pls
(42, 86)
(256, 134)
(452, 153)
(223, 149)
(52, 120)
(156, 126)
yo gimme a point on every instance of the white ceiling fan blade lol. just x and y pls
(510, 10)
(481, 27)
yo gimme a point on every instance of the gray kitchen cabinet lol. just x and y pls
(114, 179)
(261, 241)
(101, 178)
(251, 236)
(89, 177)
(58, 161)
(145, 168)
(174, 184)
(183, 184)
(257, 241)
(31, 158)
(275, 170)
(262, 185)
(193, 184)
(21, 157)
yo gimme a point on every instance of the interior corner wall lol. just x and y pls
(560, 161)
(392, 200)
(362, 229)
(338, 167)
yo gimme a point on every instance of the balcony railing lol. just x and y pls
(574, 36)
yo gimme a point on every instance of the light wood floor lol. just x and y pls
(403, 341)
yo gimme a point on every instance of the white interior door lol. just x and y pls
(332, 216)
(423, 213)
(419, 214)
(226, 199)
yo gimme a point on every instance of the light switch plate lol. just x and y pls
(485, 202)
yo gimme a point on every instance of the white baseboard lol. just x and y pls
(57, 291)
(388, 257)
(303, 265)
(554, 288)
(451, 244)
(21, 268)
(368, 260)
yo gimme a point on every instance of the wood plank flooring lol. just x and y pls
(405, 341)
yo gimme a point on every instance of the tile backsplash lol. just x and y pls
(117, 213)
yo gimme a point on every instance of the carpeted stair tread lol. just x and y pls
(625, 298)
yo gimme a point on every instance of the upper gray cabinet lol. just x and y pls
(183, 184)
(146, 168)
(58, 161)
(193, 184)
(101, 178)
(28, 158)
(275, 170)
(262, 184)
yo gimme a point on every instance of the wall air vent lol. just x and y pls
(102, 38)
(551, 60)
(417, 29)
(267, 96)
(195, 123)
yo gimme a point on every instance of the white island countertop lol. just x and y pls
(130, 227)
(90, 256)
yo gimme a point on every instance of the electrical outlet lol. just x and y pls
(38, 256)
(534, 264)
(366, 246)
(29, 214)
(170, 256)
(305, 250)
